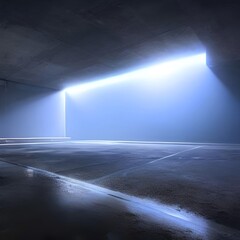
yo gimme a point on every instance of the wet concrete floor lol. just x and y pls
(114, 190)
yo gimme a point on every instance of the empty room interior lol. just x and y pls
(120, 120)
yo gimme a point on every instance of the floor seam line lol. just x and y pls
(147, 203)
(145, 164)
(174, 154)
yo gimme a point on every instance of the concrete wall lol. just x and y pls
(27, 111)
(190, 104)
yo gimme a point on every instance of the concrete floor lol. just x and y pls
(114, 190)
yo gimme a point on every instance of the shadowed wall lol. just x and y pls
(27, 111)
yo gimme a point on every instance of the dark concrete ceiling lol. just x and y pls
(55, 43)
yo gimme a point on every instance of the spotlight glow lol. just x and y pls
(157, 70)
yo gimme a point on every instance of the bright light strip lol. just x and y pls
(161, 69)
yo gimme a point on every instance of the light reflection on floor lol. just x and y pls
(170, 217)
(59, 199)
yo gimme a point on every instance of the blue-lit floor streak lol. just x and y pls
(176, 220)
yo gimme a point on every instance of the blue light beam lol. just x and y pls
(157, 70)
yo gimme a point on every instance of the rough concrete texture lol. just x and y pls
(57, 43)
(197, 184)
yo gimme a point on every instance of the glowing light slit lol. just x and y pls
(156, 70)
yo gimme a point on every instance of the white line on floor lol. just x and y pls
(36, 143)
(131, 169)
(149, 142)
(164, 214)
(174, 154)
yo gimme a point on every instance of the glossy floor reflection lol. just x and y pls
(39, 200)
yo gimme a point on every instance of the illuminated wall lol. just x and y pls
(184, 104)
(30, 112)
